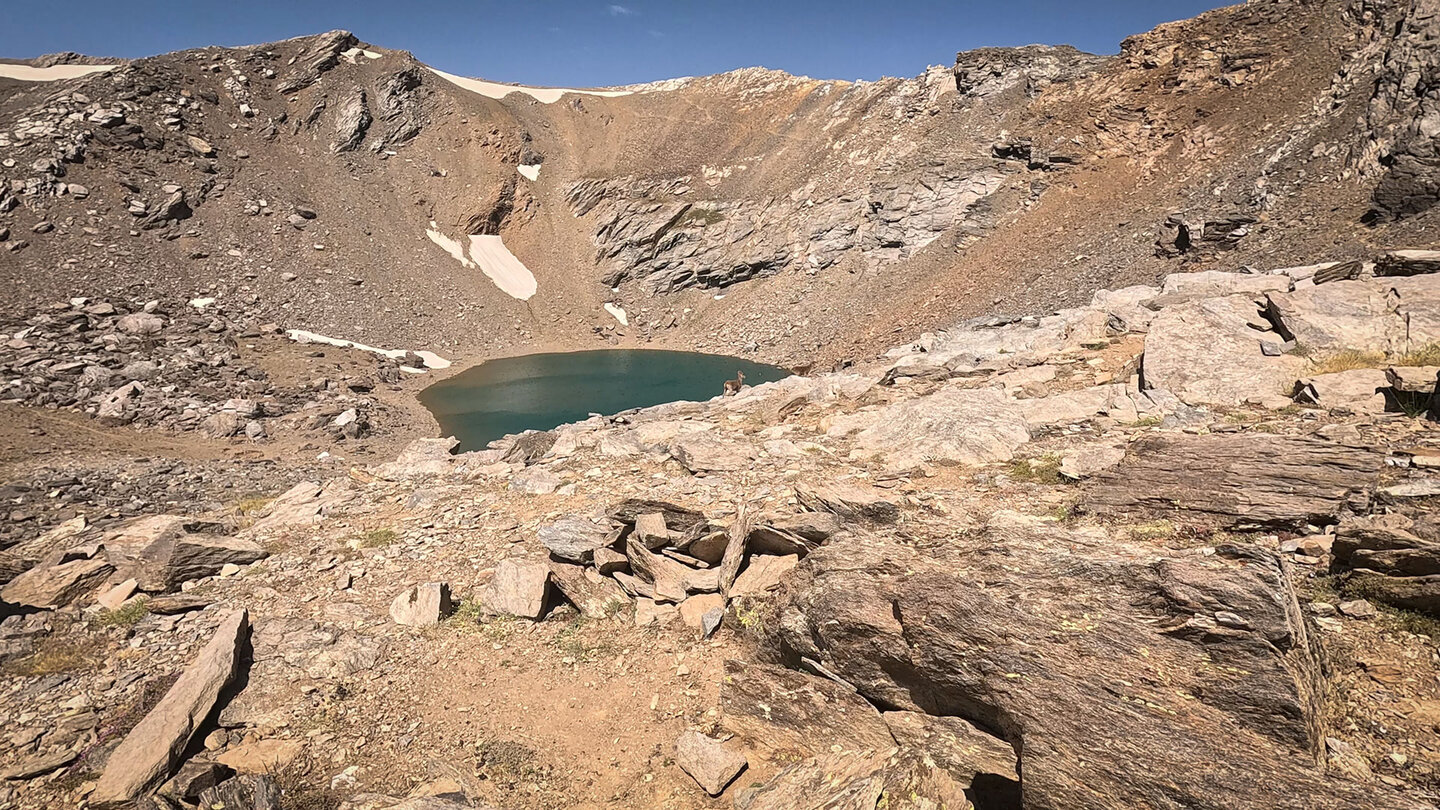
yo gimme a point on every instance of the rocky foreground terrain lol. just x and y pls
(1175, 548)
(1111, 478)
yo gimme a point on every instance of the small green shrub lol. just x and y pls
(376, 538)
(127, 615)
(1042, 470)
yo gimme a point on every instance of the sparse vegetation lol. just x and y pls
(1351, 359)
(1348, 360)
(506, 760)
(1428, 355)
(127, 615)
(376, 538)
(701, 217)
(1148, 421)
(51, 656)
(1042, 470)
(574, 641)
(248, 509)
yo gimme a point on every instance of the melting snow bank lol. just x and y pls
(497, 262)
(530, 171)
(26, 73)
(618, 313)
(544, 95)
(451, 246)
(494, 260)
(432, 360)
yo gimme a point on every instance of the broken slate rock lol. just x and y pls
(708, 761)
(422, 605)
(574, 538)
(518, 588)
(150, 752)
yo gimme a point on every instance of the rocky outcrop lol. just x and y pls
(1020, 656)
(1234, 365)
(152, 749)
(990, 71)
(1272, 481)
(321, 55)
(1400, 121)
(652, 231)
(352, 121)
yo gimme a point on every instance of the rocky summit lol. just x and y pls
(1108, 475)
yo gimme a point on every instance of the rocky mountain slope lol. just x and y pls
(1124, 495)
(298, 181)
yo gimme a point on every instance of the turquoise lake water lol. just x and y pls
(540, 391)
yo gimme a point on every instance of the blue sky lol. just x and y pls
(585, 43)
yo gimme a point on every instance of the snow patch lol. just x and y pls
(26, 73)
(432, 360)
(496, 261)
(350, 55)
(530, 171)
(618, 313)
(544, 95)
(451, 246)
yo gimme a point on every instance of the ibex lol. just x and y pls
(733, 386)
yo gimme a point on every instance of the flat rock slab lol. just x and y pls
(594, 595)
(703, 452)
(708, 761)
(950, 426)
(795, 713)
(955, 745)
(762, 574)
(574, 538)
(845, 500)
(1209, 353)
(151, 750)
(1232, 479)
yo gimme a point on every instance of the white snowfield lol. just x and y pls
(618, 313)
(544, 95)
(529, 171)
(432, 360)
(26, 73)
(451, 246)
(497, 262)
(494, 260)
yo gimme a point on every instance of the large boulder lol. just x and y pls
(1123, 675)
(1209, 352)
(59, 581)
(518, 588)
(421, 605)
(163, 551)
